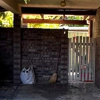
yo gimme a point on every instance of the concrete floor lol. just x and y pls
(50, 92)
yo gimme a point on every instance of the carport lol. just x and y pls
(19, 42)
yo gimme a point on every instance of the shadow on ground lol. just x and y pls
(50, 92)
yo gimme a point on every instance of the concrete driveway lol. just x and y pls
(50, 92)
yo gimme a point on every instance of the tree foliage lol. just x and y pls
(6, 19)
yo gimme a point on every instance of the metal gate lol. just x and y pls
(81, 59)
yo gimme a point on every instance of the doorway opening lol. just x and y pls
(81, 59)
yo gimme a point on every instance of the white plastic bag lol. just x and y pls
(27, 76)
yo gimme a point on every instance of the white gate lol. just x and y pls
(81, 59)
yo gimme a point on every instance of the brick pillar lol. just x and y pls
(97, 24)
(64, 58)
(97, 48)
(16, 49)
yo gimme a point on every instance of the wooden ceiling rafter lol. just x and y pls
(32, 10)
(85, 17)
(2, 9)
(42, 16)
(64, 17)
(78, 22)
(91, 17)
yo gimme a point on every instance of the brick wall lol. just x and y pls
(41, 49)
(16, 49)
(97, 48)
(97, 62)
(37, 47)
(6, 55)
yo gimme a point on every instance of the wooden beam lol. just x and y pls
(85, 17)
(42, 16)
(91, 28)
(79, 22)
(10, 5)
(91, 17)
(64, 17)
(31, 10)
(2, 9)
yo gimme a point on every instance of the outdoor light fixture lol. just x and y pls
(63, 3)
(26, 1)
